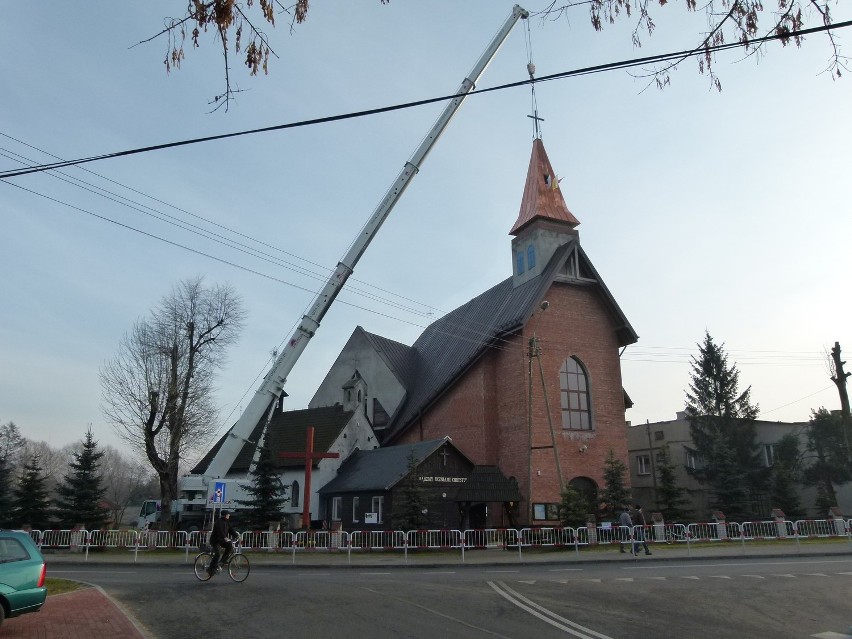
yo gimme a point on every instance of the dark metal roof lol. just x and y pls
(287, 433)
(201, 467)
(450, 345)
(398, 357)
(487, 483)
(380, 468)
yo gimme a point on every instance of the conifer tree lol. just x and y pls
(80, 492)
(574, 509)
(409, 510)
(828, 463)
(671, 496)
(721, 424)
(785, 473)
(266, 490)
(615, 493)
(31, 504)
(10, 443)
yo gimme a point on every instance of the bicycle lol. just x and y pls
(237, 563)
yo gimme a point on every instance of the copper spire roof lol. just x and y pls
(542, 197)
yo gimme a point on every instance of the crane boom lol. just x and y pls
(273, 384)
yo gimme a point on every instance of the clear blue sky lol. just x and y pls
(726, 212)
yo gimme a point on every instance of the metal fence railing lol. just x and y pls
(453, 540)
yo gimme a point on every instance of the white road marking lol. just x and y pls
(630, 579)
(719, 577)
(502, 571)
(692, 577)
(567, 569)
(527, 581)
(816, 574)
(546, 615)
(783, 575)
(374, 573)
(832, 635)
(657, 578)
(755, 576)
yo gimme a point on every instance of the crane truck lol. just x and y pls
(199, 494)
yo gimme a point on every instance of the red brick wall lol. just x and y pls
(486, 411)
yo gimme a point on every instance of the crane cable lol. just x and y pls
(531, 71)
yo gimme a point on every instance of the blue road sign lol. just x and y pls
(219, 493)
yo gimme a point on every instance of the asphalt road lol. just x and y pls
(754, 598)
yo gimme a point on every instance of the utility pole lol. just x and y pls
(535, 353)
(839, 379)
(653, 464)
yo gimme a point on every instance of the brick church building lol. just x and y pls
(525, 377)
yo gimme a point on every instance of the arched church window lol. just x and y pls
(359, 396)
(530, 256)
(520, 259)
(574, 387)
(294, 494)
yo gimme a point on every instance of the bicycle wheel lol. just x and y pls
(239, 568)
(202, 562)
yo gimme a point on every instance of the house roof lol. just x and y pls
(488, 484)
(288, 431)
(287, 434)
(542, 197)
(201, 467)
(380, 468)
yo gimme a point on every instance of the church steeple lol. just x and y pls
(542, 196)
(544, 222)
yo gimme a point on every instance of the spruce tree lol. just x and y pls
(671, 496)
(266, 490)
(783, 492)
(828, 465)
(31, 504)
(721, 424)
(80, 492)
(574, 509)
(10, 443)
(615, 492)
(409, 509)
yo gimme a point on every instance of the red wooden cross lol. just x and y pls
(309, 456)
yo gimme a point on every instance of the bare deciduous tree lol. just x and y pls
(127, 481)
(237, 22)
(734, 21)
(158, 390)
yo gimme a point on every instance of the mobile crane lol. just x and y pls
(196, 491)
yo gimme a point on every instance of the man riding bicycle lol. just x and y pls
(220, 540)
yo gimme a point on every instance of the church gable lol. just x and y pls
(383, 366)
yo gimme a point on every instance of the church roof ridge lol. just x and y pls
(542, 197)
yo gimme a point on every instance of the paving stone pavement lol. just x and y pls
(88, 613)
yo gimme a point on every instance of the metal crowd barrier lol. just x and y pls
(452, 539)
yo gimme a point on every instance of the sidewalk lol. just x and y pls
(91, 614)
(83, 614)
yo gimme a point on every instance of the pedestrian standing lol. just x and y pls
(639, 530)
(625, 526)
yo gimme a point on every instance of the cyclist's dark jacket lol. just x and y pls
(222, 530)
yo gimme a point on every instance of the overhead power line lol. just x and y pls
(624, 64)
